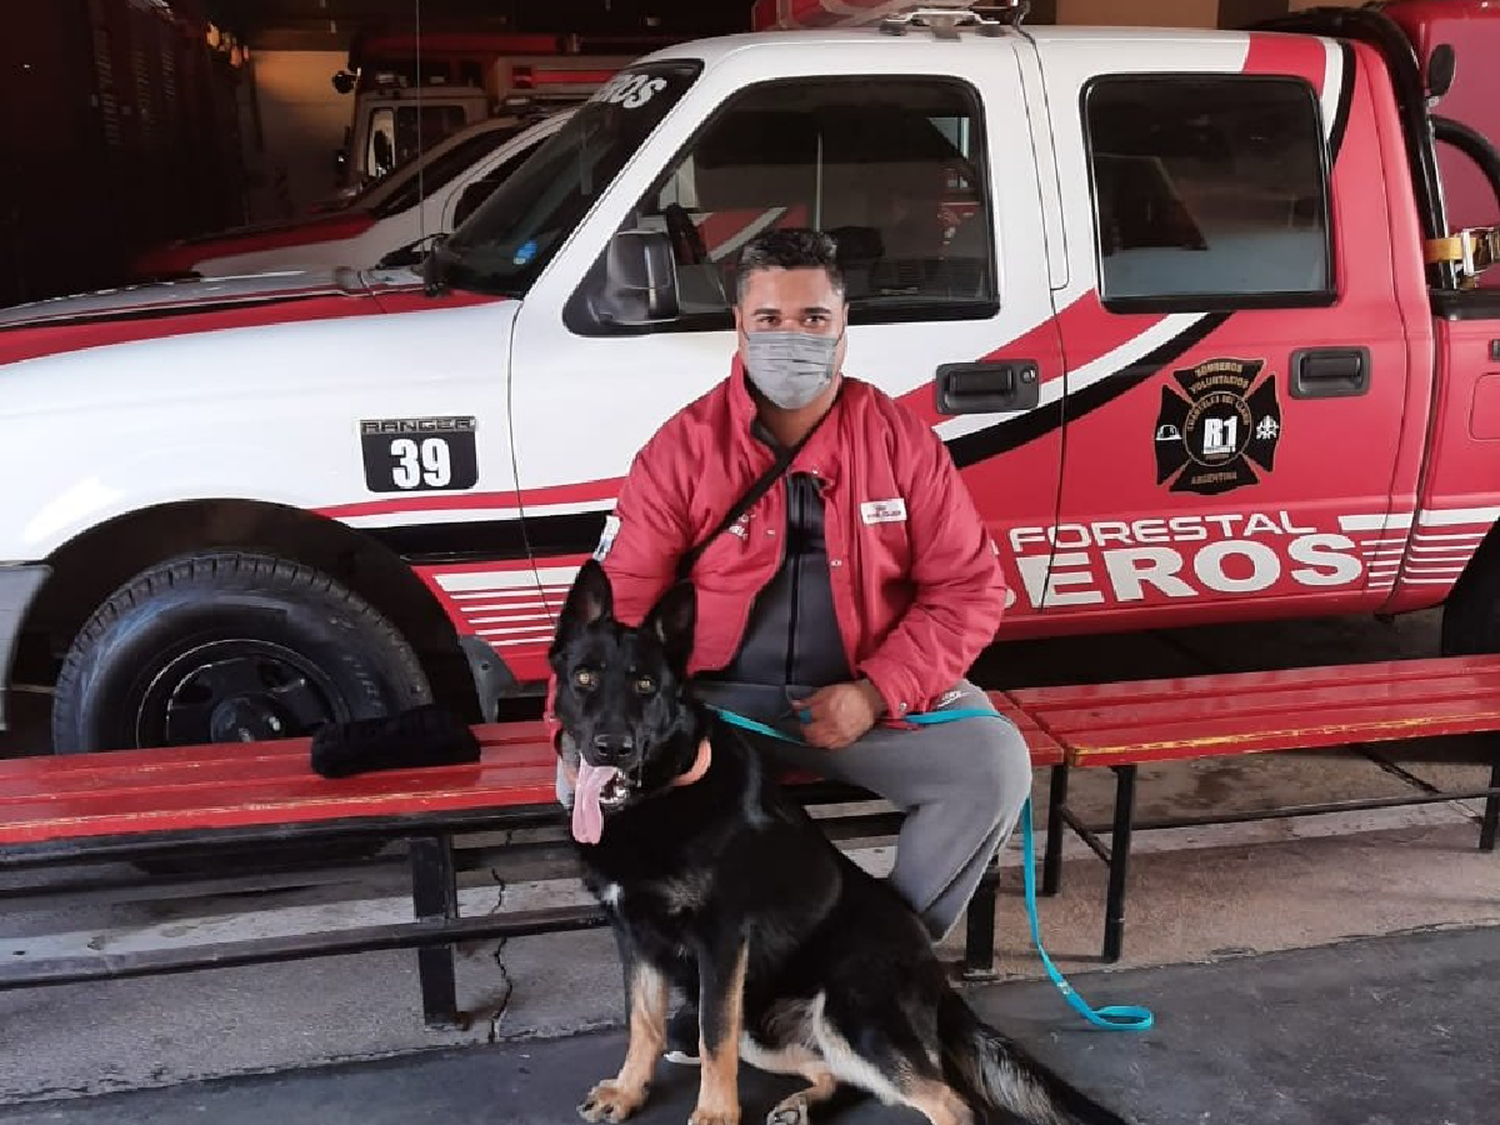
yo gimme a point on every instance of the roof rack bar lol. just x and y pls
(987, 19)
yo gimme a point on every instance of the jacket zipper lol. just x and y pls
(794, 559)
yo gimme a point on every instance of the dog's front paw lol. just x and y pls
(701, 1116)
(609, 1101)
(793, 1111)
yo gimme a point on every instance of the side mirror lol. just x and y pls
(640, 279)
(1441, 66)
(470, 198)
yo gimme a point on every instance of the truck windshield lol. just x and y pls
(509, 240)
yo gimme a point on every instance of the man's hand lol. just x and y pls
(840, 715)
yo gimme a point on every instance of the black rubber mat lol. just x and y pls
(1385, 1031)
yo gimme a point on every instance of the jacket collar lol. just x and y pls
(818, 455)
(742, 408)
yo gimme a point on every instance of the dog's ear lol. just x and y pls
(672, 620)
(591, 599)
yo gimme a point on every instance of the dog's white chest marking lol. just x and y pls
(612, 895)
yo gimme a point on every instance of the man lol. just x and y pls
(857, 590)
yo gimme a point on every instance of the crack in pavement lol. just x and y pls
(507, 984)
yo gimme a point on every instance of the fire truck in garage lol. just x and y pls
(1203, 342)
(405, 98)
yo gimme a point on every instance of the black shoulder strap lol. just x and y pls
(761, 486)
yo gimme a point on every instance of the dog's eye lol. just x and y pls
(585, 677)
(645, 685)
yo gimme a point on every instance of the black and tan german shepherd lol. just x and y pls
(718, 881)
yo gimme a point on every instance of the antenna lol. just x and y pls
(421, 167)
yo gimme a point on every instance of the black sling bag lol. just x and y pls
(761, 486)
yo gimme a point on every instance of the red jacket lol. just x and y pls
(917, 585)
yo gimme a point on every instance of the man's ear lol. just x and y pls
(672, 621)
(591, 599)
(739, 331)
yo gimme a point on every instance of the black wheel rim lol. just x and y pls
(240, 690)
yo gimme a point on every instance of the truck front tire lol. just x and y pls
(229, 647)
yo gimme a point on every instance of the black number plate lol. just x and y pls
(419, 454)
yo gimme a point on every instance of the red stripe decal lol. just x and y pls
(1090, 332)
(328, 230)
(1301, 55)
(447, 502)
(585, 492)
(1087, 330)
(179, 257)
(43, 340)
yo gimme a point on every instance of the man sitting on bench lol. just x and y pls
(858, 589)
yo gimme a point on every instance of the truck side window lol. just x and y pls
(894, 170)
(1210, 192)
(397, 135)
(444, 169)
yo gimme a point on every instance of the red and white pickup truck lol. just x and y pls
(1204, 345)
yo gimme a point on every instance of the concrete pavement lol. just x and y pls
(1198, 895)
(1372, 1032)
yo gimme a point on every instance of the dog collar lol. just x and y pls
(700, 766)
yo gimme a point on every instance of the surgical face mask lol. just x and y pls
(790, 368)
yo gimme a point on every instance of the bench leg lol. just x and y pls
(434, 893)
(1490, 826)
(979, 931)
(1119, 862)
(1057, 801)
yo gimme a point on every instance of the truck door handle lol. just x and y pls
(988, 388)
(1330, 372)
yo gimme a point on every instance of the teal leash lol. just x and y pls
(1113, 1017)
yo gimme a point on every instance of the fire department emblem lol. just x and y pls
(1219, 428)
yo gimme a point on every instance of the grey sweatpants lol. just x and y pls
(960, 784)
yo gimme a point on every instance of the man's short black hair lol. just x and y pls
(790, 249)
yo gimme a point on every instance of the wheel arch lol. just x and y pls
(89, 567)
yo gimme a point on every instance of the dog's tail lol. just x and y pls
(991, 1071)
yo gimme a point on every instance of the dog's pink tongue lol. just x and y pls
(588, 818)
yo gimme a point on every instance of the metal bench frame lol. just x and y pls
(433, 863)
(1040, 703)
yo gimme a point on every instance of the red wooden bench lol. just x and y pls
(142, 805)
(1123, 725)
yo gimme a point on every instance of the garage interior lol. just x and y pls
(1330, 886)
(129, 124)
